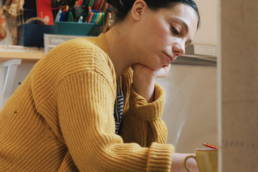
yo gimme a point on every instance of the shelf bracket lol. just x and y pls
(10, 75)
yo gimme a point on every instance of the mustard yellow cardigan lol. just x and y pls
(61, 117)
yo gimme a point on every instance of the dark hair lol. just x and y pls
(122, 7)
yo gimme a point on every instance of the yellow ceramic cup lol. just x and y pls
(207, 160)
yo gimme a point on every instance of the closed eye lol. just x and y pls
(174, 31)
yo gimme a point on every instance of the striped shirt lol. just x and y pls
(119, 103)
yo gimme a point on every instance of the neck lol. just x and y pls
(120, 51)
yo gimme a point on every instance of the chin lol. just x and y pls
(156, 67)
(153, 63)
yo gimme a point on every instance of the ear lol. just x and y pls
(138, 9)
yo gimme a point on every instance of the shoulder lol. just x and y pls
(77, 55)
(71, 58)
(80, 50)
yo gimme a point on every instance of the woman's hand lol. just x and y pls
(144, 80)
(178, 163)
(145, 71)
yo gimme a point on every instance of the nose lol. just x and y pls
(178, 49)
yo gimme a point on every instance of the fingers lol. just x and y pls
(167, 68)
(162, 72)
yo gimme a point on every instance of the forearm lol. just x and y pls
(144, 80)
(141, 131)
(157, 131)
(144, 86)
(143, 120)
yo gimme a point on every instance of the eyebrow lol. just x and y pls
(185, 26)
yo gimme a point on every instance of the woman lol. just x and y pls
(61, 118)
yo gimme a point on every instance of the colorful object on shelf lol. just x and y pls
(44, 11)
(2, 25)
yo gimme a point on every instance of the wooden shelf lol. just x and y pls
(12, 56)
(24, 56)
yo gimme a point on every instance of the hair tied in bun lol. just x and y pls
(117, 4)
(123, 6)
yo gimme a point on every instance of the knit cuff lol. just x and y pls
(144, 110)
(160, 157)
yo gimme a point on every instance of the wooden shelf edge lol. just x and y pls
(24, 56)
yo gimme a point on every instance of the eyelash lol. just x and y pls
(174, 31)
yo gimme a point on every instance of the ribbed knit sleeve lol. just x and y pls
(144, 110)
(88, 127)
(142, 121)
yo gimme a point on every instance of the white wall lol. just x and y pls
(207, 34)
(190, 109)
(22, 71)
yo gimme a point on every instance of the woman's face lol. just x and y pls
(162, 35)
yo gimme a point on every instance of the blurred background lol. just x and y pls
(190, 110)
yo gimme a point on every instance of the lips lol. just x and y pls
(170, 58)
